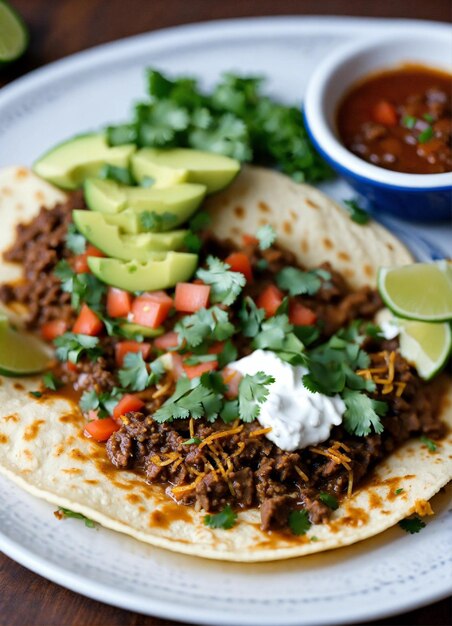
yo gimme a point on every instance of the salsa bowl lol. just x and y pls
(419, 197)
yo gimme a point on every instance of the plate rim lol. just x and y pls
(129, 47)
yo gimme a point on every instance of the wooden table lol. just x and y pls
(62, 27)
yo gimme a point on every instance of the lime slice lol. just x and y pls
(421, 291)
(20, 353)
(426, 346)
(13, 34)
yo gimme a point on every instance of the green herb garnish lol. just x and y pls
(328, 499)
(36, 394)
(299, 522)
(253, 392)
(409, 121)
(135, 374)
(425, 135)
(206, 324)
(82, 287)
(298, 282)
(71, 346)
(226, 519)
(399, 491)
(225, 284)
(50, 381)
(362, 413)
(412, 525)
(357, 213)
(431, 445)
(68, 513)
(194, 398)
(266, 236)
(75, 242)
(157, 222)
(193, 440)
(120, 175)
(104, 403)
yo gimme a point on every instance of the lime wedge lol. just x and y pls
(421, 291)
(426, 346)
(20, 353)
(13, 34)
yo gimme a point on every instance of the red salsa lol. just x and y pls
(400, 119)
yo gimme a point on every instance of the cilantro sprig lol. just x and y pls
(104, 403)
(82, 287)
(299, 522)
(72, 346)
(194, 398)
(225, 285)
(298, 282)
(62, 512)
(357, 213)
(75, 241)
(266, 236)
(137, 375)
(412, 525)
(253, 391)
(212, 324)
(225, 519)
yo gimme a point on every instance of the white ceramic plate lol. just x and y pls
(391, 573)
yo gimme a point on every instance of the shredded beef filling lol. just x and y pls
(258, 473)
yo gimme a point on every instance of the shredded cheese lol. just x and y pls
(260, 431)
(219, 435)
(301, 473)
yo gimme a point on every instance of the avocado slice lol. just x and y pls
(69, 163)
(161, 272)
(107, 238)
(215, 171)
(108, 197)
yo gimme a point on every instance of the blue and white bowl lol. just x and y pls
(425, 197)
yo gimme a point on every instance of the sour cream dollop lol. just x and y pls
(298, 418)
(389, 327)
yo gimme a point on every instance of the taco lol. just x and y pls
(183, 439)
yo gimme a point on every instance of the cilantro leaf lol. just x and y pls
(329, 500)
(120, 175)
(299, 522)
(212, 324)
(362, 413)
(157, 222)
(193, 398)
(75, 242)
(230, 411)
(135, 375)
(82, 287)
(266, 236)
(36, 394)
(412, 525)
(250, 317)
(72, 346)
(192, 242)
(253, 392)
(104, 403)
(225, 284)
(226, 519)
(297, 282)
(357, 214)
(277, 334)
(431, 445)
(50, 381)
(399, 491)
(68, 513)
(229, 353)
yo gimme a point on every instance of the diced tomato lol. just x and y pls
(231, 379)
(166, 341)
(119, 302)
(300, 315)
(239, 262)
(101, 429)
(72, 367)
(385, 113)
(81, 261)
(216, 348)
(270, 300)
(124, 347)
(87, 322)
(250, 240)
(128, 403)
(190, 298)
(151, 309)
(52, 330)
(192, 371)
